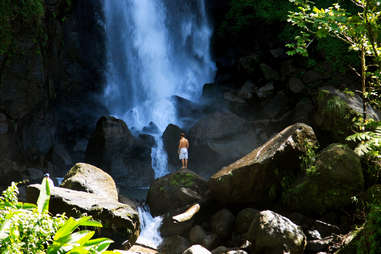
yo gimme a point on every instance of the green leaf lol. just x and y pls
(44, 197)
(68, 242)
(26, 206)
(100, 244)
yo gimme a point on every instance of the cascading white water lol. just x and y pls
(155, 49)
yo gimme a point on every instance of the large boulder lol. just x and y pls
(272, 233)
(171, 137)
(88, 178)
(336, 178)
(126, 158)
(213, 137)
(257, 177)
(175, 191)
(336, 108)
(120, 221)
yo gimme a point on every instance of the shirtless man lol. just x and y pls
(183, 150)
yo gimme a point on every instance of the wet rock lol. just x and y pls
(186, 108)
(151, 128)
(257, 176)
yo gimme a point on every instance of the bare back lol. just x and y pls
(184, 143)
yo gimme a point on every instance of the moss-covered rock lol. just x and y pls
(335, 110)
(178, 190)
(337, 177)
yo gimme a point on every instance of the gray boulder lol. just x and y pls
(120, 221)
(257, 176)
(272, 233)
(88, 178)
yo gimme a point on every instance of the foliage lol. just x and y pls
(17, 17)
(360, 30)
(24, 229)
(369, 140)
(370, 240)
(308, 159)
(336, 53)
(27, 228)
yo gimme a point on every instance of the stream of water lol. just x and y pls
(155, 49)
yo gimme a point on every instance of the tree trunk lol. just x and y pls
(363, 83)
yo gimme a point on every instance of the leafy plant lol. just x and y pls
(369, 140)
(359, 30)
(27, 228)
(23, 228)
(370, 240)
(308, 159)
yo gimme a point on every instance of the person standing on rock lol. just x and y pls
(183, 150)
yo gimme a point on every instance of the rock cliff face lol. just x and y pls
(48, 79)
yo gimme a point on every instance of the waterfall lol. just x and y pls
(155, 49)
